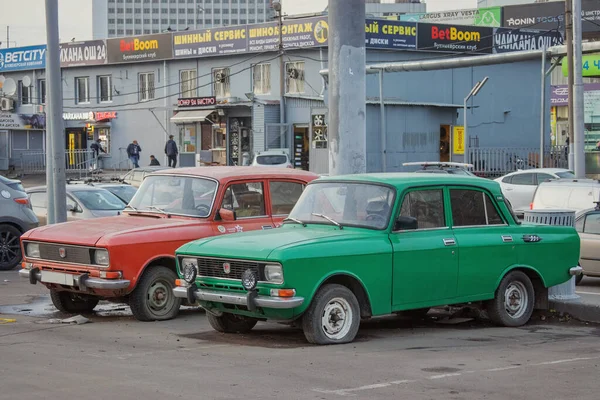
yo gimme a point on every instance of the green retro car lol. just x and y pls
(368, 245)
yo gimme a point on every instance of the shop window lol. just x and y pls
(188, 83)
(221, 84)
(105, 88)
(294, 77)
(82, 90)
(261, 78)
(24, 93)
(42, 90)
(146, 86)
(104, 136)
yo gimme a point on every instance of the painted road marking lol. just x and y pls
(595, 294)
(351, 391)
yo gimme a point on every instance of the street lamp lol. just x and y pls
(472, 93)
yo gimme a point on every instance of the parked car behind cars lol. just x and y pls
(132, 257)
(137, 175)
(272, 158)
(368, 245)
(519, 187)
(16, 217)
(570, 194)
(441, 167)
(83, 202)
(123, 191)
(588, 225)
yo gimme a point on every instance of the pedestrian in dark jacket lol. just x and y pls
(96, 147)
(133, 152)
(153, 161)
(171, 151)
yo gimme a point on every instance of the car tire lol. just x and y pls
(10, 247)
(73, 303)
(153, 298)
(578, 279)
(331, 305)
(231, 323)
(514, 301)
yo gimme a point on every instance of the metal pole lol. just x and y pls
(569, 45)
(347, 92)
(578, 122)
(543, 110)
(7, 37)
(54, 121)
(465, 132)
(383, 124)
(281, 76)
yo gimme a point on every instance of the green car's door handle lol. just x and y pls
(531, 238)
(449, 242)
(507, 238)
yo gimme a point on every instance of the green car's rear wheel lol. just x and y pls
(514, 301)
(333, 316)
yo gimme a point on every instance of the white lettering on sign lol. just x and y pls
(78, 116)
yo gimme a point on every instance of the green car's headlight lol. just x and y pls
(274, 273)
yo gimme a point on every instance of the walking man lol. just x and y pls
(96, 147)
(133, 152)
(171, 151)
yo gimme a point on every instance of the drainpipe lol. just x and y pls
(383, 128)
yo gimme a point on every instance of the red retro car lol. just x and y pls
(131, 257)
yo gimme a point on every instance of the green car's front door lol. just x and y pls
(487, 244)
(425, 268)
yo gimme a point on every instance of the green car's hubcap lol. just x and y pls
(337, 318)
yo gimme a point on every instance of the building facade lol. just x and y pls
(223, 105)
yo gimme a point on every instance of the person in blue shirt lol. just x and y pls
(133, 153)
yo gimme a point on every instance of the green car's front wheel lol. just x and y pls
(333, 316)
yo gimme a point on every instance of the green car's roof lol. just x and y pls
(402, 179)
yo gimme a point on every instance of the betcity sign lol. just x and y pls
(22, 58)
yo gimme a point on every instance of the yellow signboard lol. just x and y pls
(553, 125)
(71, 148)
(458, 140)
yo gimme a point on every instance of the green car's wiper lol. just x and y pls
(295, 220)
(329, 219)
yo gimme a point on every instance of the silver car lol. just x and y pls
(83, 202)
(137, 175)
(16, 218)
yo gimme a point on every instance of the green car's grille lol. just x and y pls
(225, 269)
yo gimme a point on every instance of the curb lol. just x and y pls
(582, 311)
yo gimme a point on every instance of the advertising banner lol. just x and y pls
(550, 15)
(381, 34)
(22, 121)
(458, 139)
(140, 48)
(211, 42)
(22, 58)
(196, 101)
(560, 93)
(77, 54)
(508, 40)
(454, 38)
(489, 16)
(309, 32)
(590, 64)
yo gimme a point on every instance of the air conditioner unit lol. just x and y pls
(7, 104)
(220, 77)
(293, 73)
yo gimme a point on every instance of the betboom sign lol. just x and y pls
(140, 48)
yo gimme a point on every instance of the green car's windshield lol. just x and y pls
(180, 195)
(362, 205)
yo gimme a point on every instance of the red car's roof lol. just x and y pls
(232, 173)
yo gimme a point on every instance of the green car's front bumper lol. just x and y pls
(214, 296)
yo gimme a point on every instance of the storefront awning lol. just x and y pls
(183, 117)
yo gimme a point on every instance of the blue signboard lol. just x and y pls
(393, 35)
(20, 58)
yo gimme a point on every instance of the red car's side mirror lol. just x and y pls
(227, 215)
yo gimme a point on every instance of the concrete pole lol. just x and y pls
(569, 45)
(347, 88)
(578, 121)
(54, 121)
(543, 109)
(465, 130)
(383, 127)
(282, 72)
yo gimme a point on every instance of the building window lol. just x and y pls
(181, 21)
(129, 31)
(190, 22)
(111, 20)
(42, 90)
(155, 11)
(164, 10)
(190, 10)
(294, 77)
(138, 31)
(147, 11)
(221, 87)
(82, 88)
(138, 11)
(24, 94)
(147, 31)
(111, 10)
(173, 10)
(120, 31)
(111, 31)
(155, 20)
(139, 21)
(261, 78)
(146, 87)
(154, 30)
(120, 21)
(164, 21)
(188, 82)
(217, 21)
(129, 21)
(129, 10)
(146, 20)
(173, 21)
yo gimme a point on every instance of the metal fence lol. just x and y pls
(78, 162)
(497, 161)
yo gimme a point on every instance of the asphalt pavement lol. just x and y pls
(117, 357)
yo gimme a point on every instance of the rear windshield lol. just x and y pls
(271, 160)
(125, 193)
(99, 200)
(566, 174)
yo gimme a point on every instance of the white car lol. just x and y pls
(272, 158)
(519, 187)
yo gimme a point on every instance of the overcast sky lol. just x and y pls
(26, 18)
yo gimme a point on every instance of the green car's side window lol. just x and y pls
(473, 208)
(427, 206)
